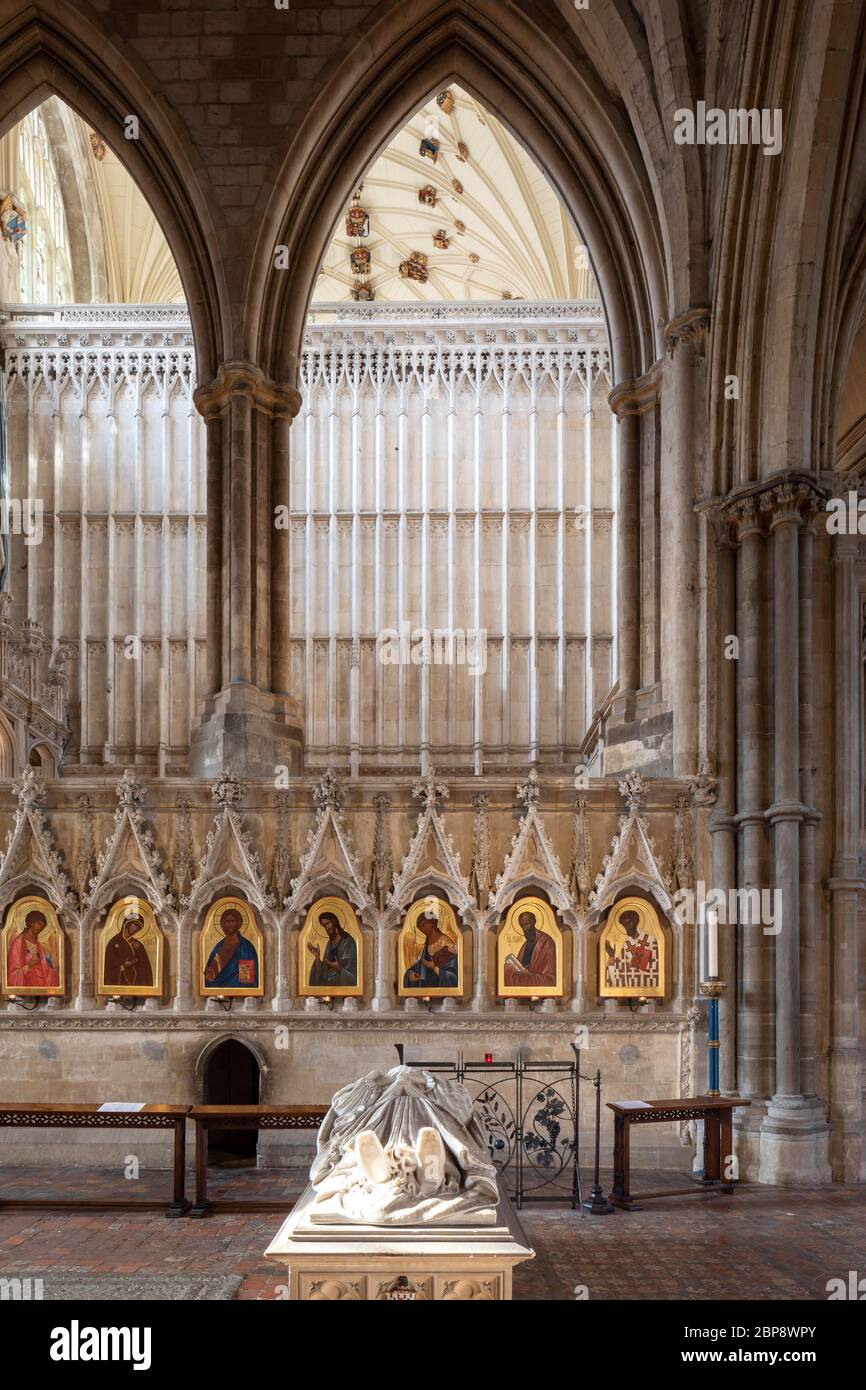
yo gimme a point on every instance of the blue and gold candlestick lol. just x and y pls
(713, 990)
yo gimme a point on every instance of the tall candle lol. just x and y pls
(713, 943)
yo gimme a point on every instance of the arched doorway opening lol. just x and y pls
(231, 1076)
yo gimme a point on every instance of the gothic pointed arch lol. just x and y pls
(532, 862)
(129, 861)
(30, 858)
(329, 863)
(431, 863)
(56, 49)
(632, 860)
(597, 175)
(229, 862)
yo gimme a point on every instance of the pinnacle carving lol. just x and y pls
(183, 850)
(128, 823)
(529, 792)
(84, 861)
(227, 790)
(631, 789)
(29, 789)
(382, 866)
(328, 792)
(281, 866)
(30, 824)
(479, 878)
(580, 871)
(445, 862)
(430, 791)
(129, 790)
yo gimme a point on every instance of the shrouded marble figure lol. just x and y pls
(29, 962)
(233, 963)
(535, 962)
(126, 960)
(437, 966)
(338, 964)
(403, 1148)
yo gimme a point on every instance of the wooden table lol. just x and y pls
(91, 1117)
(209, 1117)
(715, 1111)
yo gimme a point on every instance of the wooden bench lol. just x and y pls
(715, 1111)
(208, 1117)
(91, 1117)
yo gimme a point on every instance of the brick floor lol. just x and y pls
(764, 1243)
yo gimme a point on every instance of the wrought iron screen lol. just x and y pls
(530, 1113)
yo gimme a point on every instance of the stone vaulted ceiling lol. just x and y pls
(140, 267)
(515, 240)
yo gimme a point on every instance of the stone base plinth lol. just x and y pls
(384, 1263)
(795, 1141)
(253, 732)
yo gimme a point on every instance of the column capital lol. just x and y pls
(760, 507)
(246, 379)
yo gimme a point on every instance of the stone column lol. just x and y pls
(184, 943)
(280, 555)
(794, 1140)
(846, 885)
(754, 992)
(637, 603)
(628, 596)
(786, 812)
(250, 721)
(480, 999)
(383, 942)
(809, 965)
(85, 998)
(682, 454)
(722, 823)
(282, 999)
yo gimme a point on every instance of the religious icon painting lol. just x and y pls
(429, 149)
(529, 952)
(331, 951)
(130, 951)
(231, 951)
(32, 949)
(631, 952)
(430, 951)
(427, 195)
